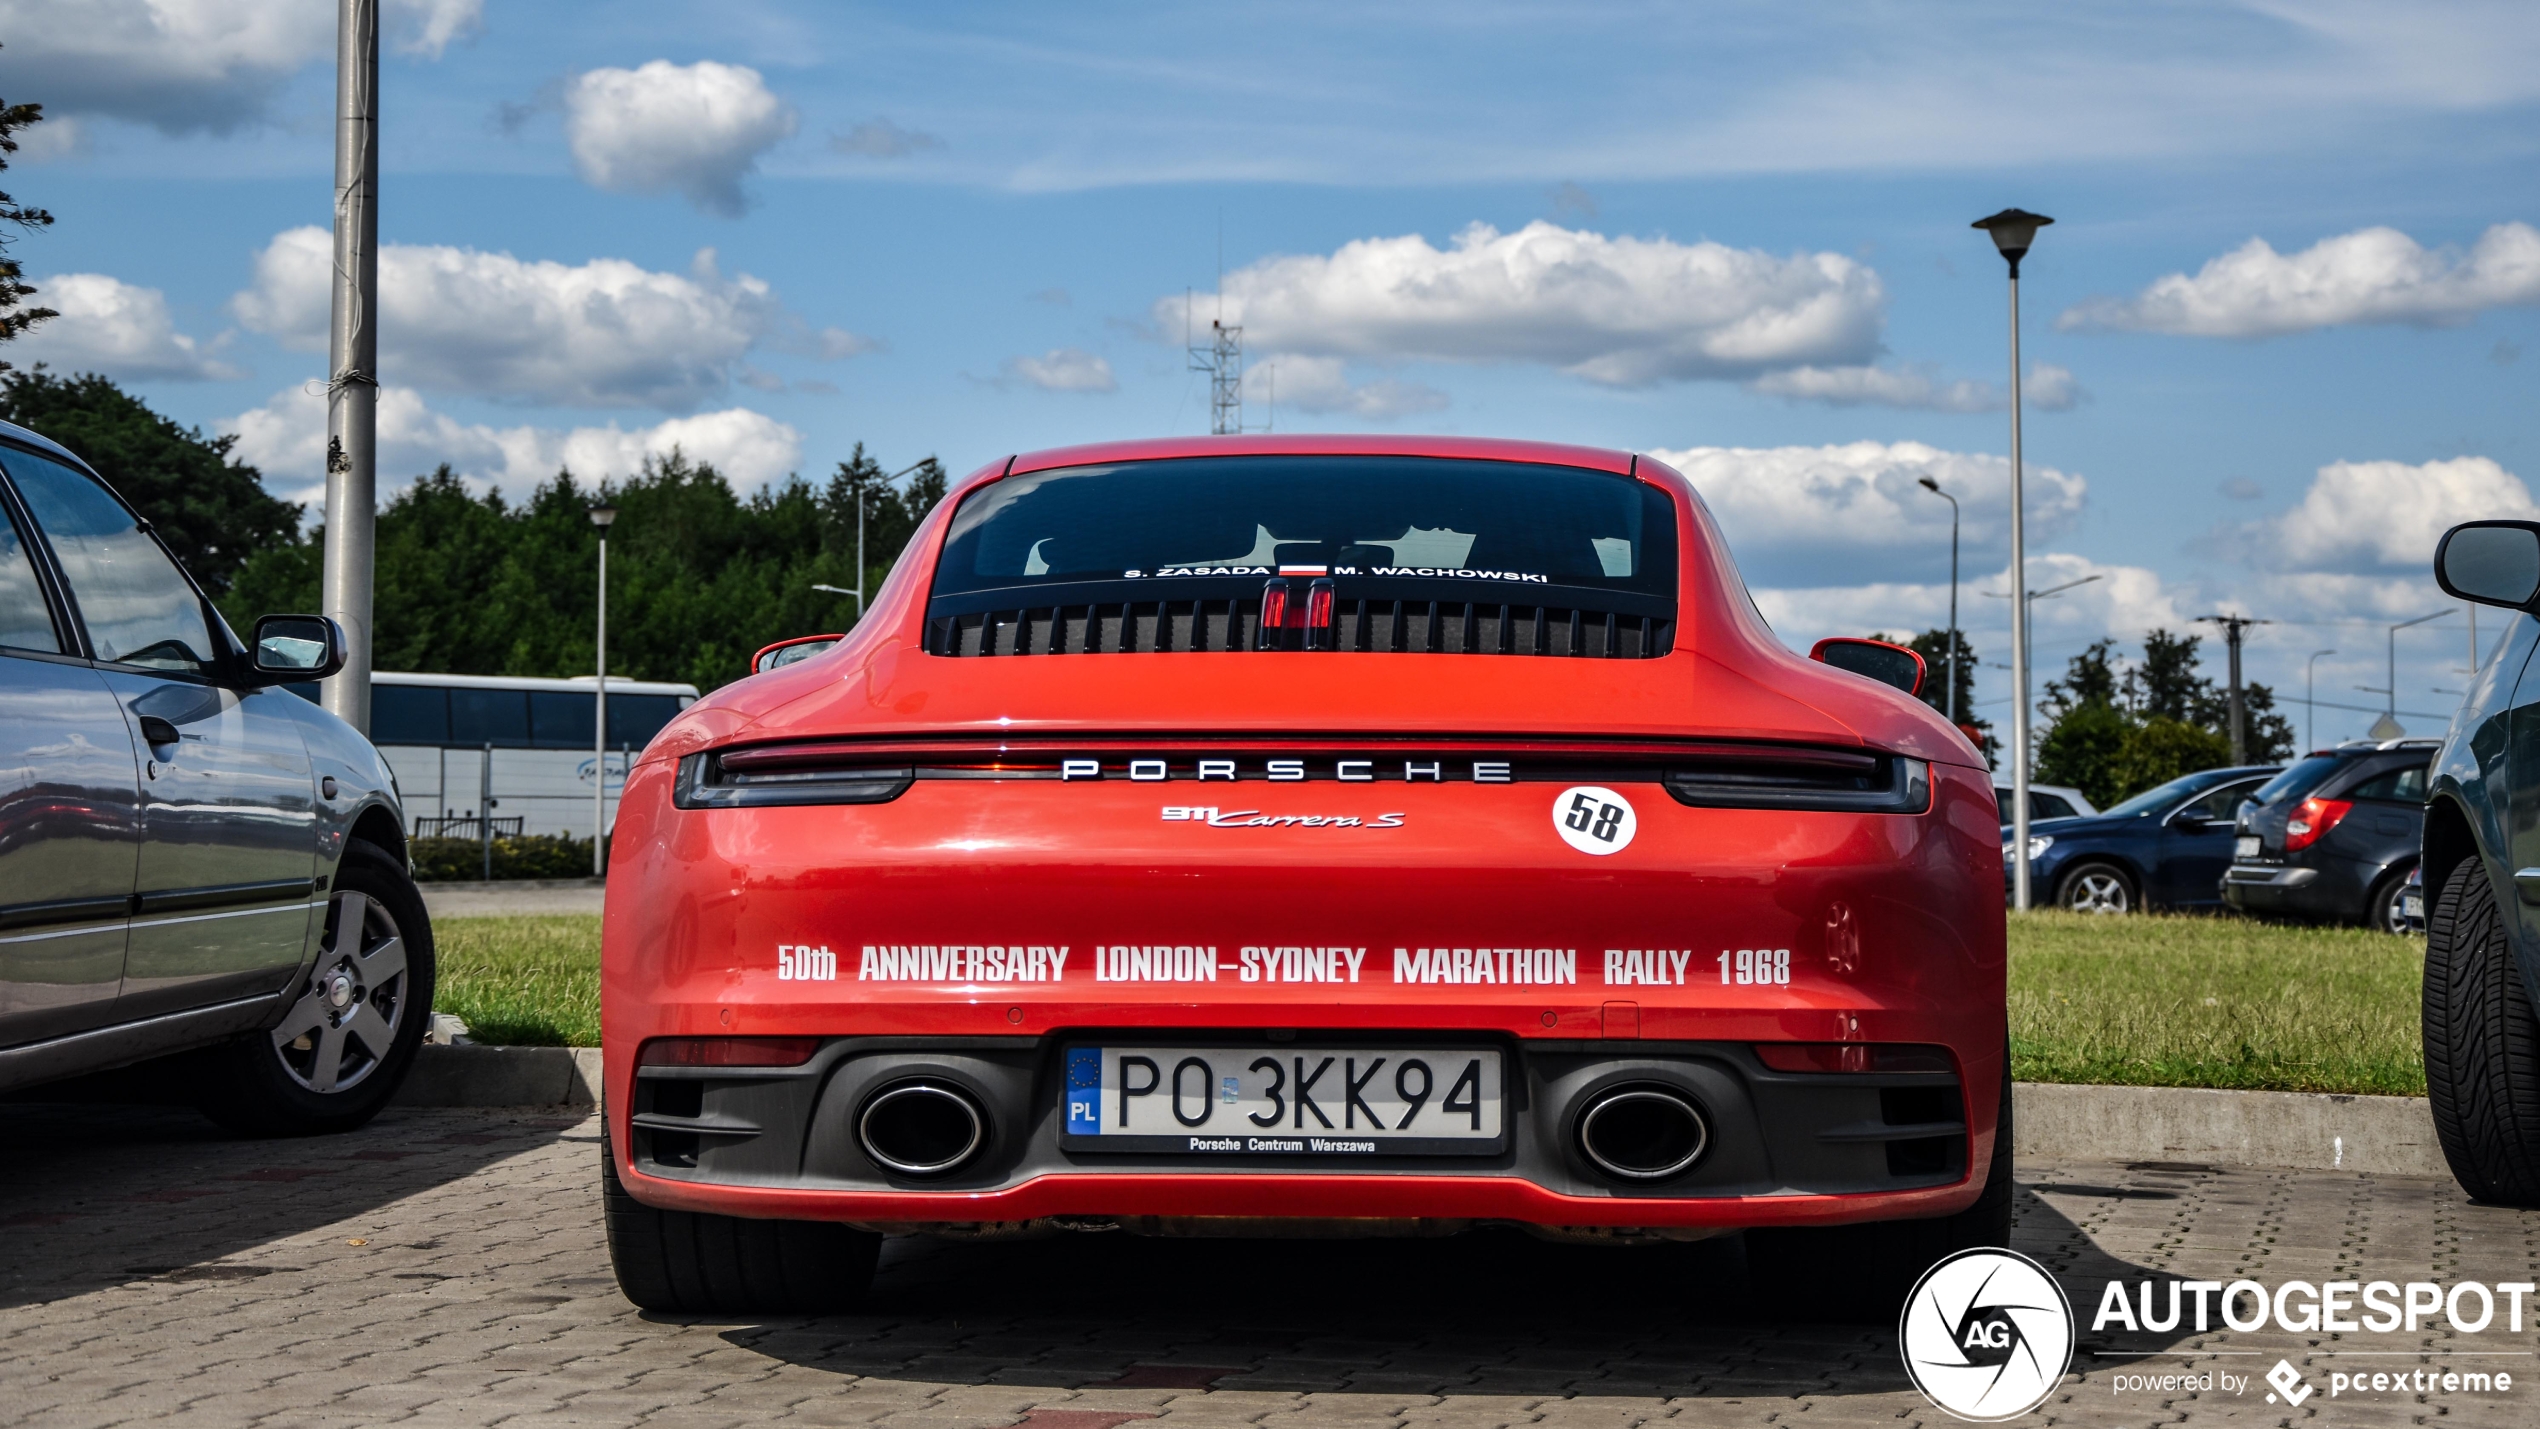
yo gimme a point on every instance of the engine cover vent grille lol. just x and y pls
(1415, 627)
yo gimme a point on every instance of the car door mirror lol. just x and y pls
(2189, 822)
(786, 652)
(2490, 562)
(296, 647)
(1888, 664)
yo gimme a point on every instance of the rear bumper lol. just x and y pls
(1785, 1148)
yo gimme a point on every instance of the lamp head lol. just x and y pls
(1927, 484)
(603, 515)
(2013, 230)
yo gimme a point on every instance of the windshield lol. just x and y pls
(2160, 799)
(1370, 523)
(2301, 779)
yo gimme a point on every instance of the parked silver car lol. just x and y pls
(190, 858)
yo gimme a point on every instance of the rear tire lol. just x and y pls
(350, 1035)
(2482, 1045)
(693, 1263)
(1862, 1273)
(2096, 887)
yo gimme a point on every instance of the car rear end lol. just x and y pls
(1317, 841)
(2334, 836)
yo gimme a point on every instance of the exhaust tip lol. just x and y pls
(921, 1128)
(1643, 1133)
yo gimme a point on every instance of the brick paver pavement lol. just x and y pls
(446, 1268)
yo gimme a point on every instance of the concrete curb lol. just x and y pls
(2390, 1136)
(503, 1076)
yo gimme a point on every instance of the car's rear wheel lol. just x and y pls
(695, 1263)
(1862, 1273)
(2096, 887)
(2482, 1045)
(2381, 908)
(354, 1024)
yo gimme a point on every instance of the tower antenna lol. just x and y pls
(1222, 358)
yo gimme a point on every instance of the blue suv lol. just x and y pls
(2165, 847)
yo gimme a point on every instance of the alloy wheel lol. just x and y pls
(340, 1030)
(2098, 890)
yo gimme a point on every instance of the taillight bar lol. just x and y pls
(1853, 1057)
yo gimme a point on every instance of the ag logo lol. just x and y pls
(1987, 1335)
(1593, 820)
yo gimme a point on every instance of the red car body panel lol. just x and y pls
(1894, 922)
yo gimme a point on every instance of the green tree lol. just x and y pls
(2161, 749)
(15, 320)
(2085, 749)
(1933, 646)
(213, 510)
(699, 576)
(2089, 678)
(2166, 685)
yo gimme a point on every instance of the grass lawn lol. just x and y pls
(2141, 1001)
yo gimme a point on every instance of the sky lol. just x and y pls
(2280, 336)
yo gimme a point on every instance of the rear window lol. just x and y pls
(2405, 784)
(1383, 526)
(2299, 780)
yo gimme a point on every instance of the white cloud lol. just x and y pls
(126, 332)
(1621, 311)
(1064, 369)
(426, 27)
(1321, 386)
(605, 333)
(2124, 601)
(698, 129)
(286, 438)
(194, 65)
(2373, 275)
(1800, 515)
(2364, 516)
(2049, 389)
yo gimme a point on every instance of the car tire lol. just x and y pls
(2482, 1045)
(1862, 1273)
(2381, 907)
(350, 1035)
(690, 1262)
(2097, 887)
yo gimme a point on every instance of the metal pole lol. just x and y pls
(352, 400)
(485, 807)
(600, 729)
(2310, 686)
(2239, 707)
(1953, 608)
(859, 551)
(2019, 629)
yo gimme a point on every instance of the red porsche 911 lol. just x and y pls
(1306, 836)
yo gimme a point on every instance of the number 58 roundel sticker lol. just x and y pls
(1594, 820)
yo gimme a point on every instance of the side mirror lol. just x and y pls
(787, 652)
(1888, 664)
(296, 647)
(2490, 562)
(2188, 823)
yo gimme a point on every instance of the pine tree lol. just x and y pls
(15, 320)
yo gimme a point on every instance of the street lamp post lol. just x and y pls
(859, 530)
(1934, 488)
(2390, 712)
(2013, 231)
(602, 516)
(2310, 686)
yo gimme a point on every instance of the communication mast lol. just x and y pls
(1222, 358)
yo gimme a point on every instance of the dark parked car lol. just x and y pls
(2165, 847)
(2335, 835)
(191, 860)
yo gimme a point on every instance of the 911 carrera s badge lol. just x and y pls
(1217, 818)
(1594, 820)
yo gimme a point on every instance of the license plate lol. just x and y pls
(2246, 846)
(2412, 905)
(1286, 1101)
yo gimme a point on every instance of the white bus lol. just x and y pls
(452, 740)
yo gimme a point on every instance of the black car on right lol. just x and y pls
(2334, 836)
